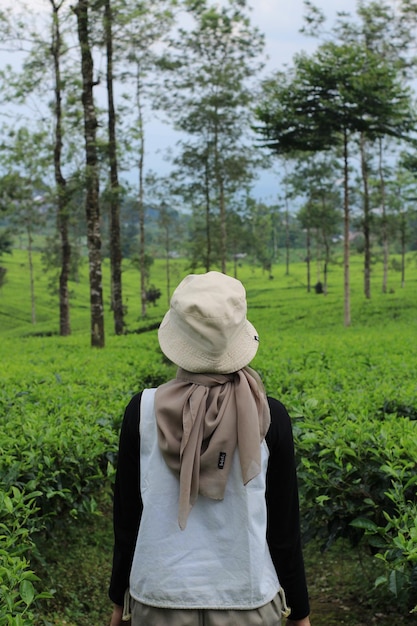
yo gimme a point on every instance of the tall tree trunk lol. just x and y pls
(31, 272)
(167, 261)
(221, 200)
(222, 205)
(287, 226)
(274, 227)
(92, 178)
(165, 224)
(208, 211)
(318, 255)
(403, 228)
(326, 245)
(346, 225)
(308, 259)
(287, 238)
(142, 255)
(115, 244)
(366, 218)
(385, 244)
(308, 247)
(326, 265)
(223, 226)
(141, 206)
(61, 183)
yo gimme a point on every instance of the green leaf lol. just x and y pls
(27, 592)
(8, 504)
(381, 580)
(365, 524)
(396, 582)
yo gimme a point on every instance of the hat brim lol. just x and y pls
(240, 351)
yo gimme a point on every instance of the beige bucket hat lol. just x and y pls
(206, 329)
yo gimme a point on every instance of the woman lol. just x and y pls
(206, 512)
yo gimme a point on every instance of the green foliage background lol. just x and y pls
(352, 394)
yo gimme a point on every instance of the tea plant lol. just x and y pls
(357, 455)
(60, 414)
(18, 582)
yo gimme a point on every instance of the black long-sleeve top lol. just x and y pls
(283, 531)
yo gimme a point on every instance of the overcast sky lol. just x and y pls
(280, 21)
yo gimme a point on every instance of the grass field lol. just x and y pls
(284, 296)
(351, 391)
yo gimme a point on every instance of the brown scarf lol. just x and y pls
(201, 419)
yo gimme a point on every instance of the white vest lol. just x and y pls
(221, 560)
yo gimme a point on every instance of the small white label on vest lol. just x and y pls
(222, 460)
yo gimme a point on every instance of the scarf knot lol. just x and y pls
(201, 420)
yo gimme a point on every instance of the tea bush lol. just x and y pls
(61, 407)
(17, 580)
(353, 405)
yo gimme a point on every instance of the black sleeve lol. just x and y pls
(127, 503)
(283, 532)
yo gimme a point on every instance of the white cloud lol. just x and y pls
(281, 24)
(38, 5)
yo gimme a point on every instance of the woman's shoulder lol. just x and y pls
(280, 429)
(277, 409)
